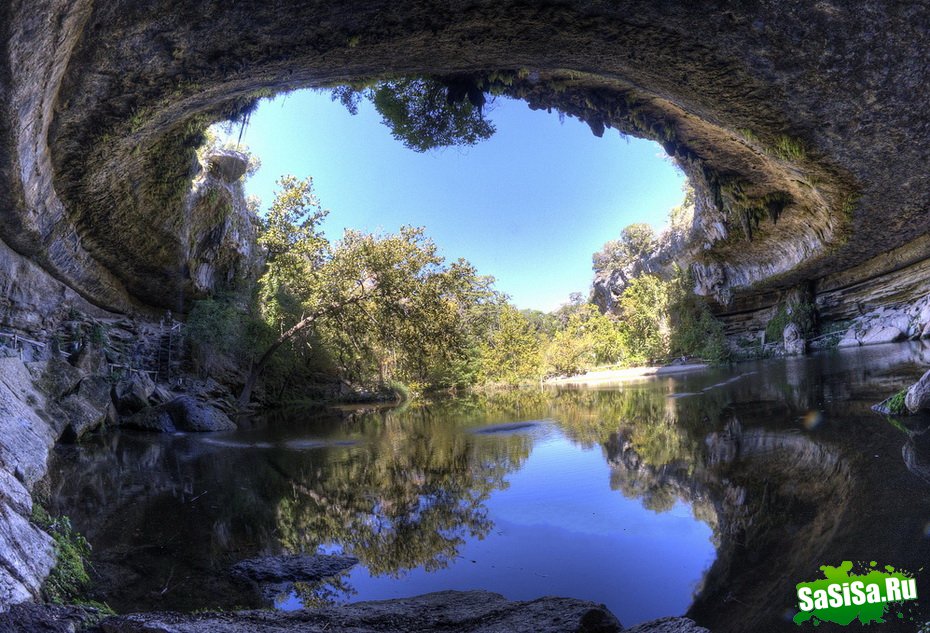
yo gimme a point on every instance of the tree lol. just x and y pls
(425, 113)
(294, 279)
(512, 352)
(644, 314)
(588, 338)
(694, 330)
(381, 303)
(638, 239)
(636, 242)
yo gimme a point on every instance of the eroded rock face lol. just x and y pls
(26, 553)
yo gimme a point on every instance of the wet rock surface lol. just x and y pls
(669, 625)
(889, 324)
(276, 575)
(44, 618)
(297, 568)
(464, 611)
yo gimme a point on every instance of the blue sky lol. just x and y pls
(528, 206)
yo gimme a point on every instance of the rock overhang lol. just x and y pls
(798, 124)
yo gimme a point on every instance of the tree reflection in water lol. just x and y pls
(406, 498)
(405, 490)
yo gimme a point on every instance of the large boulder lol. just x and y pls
(132, 394)
(156, 419)
(88, 408)
(56, 377)
(90, 359)
(227, 165)
(882, 333)
(189, 414)
(181, 414)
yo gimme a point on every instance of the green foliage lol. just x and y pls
(636, 242)
(681, 218)
(98, 334)
(512, 353)
(694, 329)
(409, 497)
(789, 149)
(383, 307)
(896, 404)
(68, 579)
(775, 328)
(644, 312)
(425, 113)
(216, 327)
(802, 314)
(586, 339)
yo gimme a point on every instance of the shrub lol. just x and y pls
(68, 579)
(896, 404)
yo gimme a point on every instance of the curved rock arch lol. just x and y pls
(795, 112)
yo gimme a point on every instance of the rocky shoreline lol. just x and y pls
(444, 611)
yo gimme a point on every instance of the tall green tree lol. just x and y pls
(644, 314)
(383, 303)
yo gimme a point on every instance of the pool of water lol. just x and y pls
(709, 494)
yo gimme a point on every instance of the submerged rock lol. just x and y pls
(472, 611)
(181, 414)
(296, 568)
(276, 575)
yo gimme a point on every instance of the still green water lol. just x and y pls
(711, 494)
